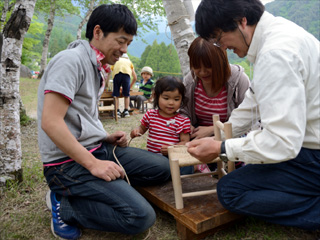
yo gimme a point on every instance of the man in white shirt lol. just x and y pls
(281, 181)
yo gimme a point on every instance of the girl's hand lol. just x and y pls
(164, 150)
(135, 133)
(118, 138)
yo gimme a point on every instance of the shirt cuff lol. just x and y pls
(234, 149)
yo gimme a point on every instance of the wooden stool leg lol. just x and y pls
(176, 182)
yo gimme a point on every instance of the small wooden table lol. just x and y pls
(201, 216)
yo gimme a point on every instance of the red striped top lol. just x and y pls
(164, 129)
(206, 106)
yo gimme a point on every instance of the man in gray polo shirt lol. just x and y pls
(87, 185)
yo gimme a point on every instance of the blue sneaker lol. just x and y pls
(58, 227)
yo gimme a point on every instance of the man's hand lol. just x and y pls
(118, 138)
(106, 170)
(201, 132)
(204, 149)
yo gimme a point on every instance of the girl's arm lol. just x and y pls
(184, 138)
(138, 131)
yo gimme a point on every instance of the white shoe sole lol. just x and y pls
(48, 200)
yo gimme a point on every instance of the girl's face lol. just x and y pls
(169, 103)
(203, 73)
(146, 76)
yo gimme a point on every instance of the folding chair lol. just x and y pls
(179, 157)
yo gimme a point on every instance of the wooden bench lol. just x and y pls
(201, 215)
(108, 105)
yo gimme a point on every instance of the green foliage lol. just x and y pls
(162, 59)
(24, 119)
(145, 12)
(59, 40)
(304, 13)
(30, 57)
(62, 7)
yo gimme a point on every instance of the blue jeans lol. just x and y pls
(286, 193)
(109, 206)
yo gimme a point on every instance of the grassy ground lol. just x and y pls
(23, 213)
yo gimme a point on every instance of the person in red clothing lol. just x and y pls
(213, 86)
(165, 124)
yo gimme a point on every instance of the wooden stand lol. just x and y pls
(201, 215)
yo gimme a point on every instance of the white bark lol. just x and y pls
(45, 48)
(10, 143)
(85, 19)
(4, 13)
(189, 7)
(181, 30)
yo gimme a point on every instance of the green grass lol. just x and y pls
(24, 215)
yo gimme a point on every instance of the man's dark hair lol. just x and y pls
(111, 18)
(212, 16)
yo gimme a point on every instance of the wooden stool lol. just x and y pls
(179, 157)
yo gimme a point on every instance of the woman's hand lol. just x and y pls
(202, 132)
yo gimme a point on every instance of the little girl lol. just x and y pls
(166, 126)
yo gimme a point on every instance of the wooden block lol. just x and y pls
(201, 215)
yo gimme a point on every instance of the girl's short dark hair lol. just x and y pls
(112, 18)
(212, 16)
(204, 52)
(168, 83)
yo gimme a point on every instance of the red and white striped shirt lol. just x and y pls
(206, 106)
(164, 129)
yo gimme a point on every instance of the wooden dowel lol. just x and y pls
(220, 125)
(199, 193)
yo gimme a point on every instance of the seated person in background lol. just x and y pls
(166, 126)
(213, 86)
(146, 86)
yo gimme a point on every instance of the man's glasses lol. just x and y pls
(216, 41)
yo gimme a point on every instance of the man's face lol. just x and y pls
(234, 41)
(113, 45)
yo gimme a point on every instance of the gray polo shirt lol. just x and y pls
(73, 73)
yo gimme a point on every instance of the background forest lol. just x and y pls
(154, 47)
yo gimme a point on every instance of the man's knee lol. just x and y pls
(228, 191)
(144, 218)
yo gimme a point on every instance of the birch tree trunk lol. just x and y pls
(4, 13)
(85, 19)
(181, 30)
(43, 62)
(10, 142)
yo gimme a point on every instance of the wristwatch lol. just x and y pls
(223, 154)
